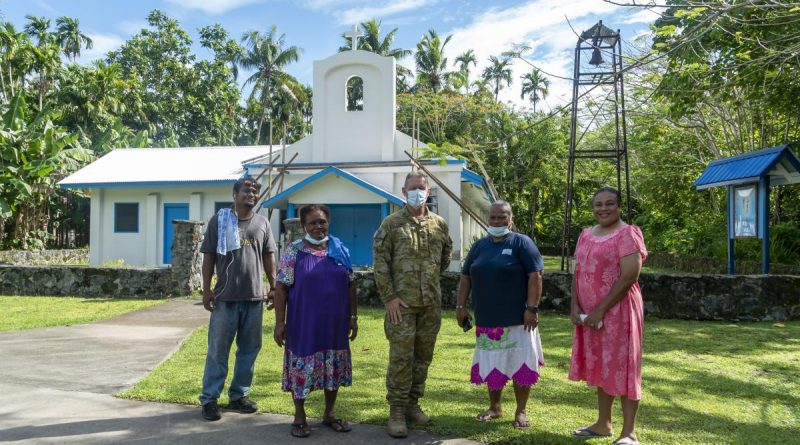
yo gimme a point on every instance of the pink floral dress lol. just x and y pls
(610, 357)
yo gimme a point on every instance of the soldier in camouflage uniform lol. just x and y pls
(411, 249)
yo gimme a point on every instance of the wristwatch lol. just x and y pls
(533, 309)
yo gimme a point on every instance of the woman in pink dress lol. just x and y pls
(607, 311)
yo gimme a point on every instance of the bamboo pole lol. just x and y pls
(449, 192)
(275, 180)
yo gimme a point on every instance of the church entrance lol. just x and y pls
(355, 225)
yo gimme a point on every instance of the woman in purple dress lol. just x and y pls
(315, 317)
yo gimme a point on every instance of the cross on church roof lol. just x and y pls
(354, 35)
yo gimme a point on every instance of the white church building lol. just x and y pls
(353, 161)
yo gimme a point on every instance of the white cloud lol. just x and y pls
(131, 27)
(102, 44)
(644, 16)
(541, 24)
(360, 14)
(213, 6)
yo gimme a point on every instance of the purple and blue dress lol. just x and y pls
(317, 352)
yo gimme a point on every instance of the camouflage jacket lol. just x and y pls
(409, 256)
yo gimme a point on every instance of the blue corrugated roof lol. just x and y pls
(747, 167)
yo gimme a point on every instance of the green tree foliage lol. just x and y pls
(431, 62)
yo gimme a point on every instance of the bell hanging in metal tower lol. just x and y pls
(597, 58)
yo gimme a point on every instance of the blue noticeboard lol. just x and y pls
(172, 212)
(748, 177)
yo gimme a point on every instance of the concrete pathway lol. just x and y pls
(58, 384)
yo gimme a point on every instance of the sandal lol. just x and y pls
(337, 425)
(586, 433)
(521, 421)
(488, 415)
(300, 429)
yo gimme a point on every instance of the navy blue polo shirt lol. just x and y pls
(499, 275)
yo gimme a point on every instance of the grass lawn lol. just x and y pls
(704, 383)
(21, 312)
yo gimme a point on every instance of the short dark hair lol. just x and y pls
(505, 204)
(242, 181)
(312, 207)
(414, 174)
(611, 190)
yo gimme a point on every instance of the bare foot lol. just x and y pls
(489, 414)
(521, 420)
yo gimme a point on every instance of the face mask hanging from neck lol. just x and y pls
(316, 242)
(416, 198)
(498, 231)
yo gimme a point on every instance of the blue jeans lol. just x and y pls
(241, 319)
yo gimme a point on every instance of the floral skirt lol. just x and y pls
(327, 369)
(506, 353)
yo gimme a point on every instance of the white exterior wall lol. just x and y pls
(366, 135)
(145, 248)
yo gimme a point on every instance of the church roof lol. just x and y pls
(283, 196)
(147, 167)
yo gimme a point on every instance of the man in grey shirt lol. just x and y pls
(236, 303)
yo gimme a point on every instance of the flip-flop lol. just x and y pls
(485, 416)
(586, 433)
(337, 425)
(300, 430)
(625, 441)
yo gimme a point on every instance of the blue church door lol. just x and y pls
(171, 212)
(355, 224)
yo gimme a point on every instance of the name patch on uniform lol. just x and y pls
(506, 251)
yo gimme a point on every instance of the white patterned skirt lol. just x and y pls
(506, 353)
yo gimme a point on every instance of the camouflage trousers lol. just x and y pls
(411, 346)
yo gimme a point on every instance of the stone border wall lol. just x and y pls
(182, 278)
(661, 260)
(44, 257)
(689, 297)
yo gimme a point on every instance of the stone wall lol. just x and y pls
(660, 260)
(44, 257)
(691, 297)
(183, 278)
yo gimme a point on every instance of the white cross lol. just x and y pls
(354, 35)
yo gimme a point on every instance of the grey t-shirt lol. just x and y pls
(240, 272)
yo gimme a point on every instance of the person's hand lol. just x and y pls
(271, 299)
(575, 316)
(461, 314)
(353, 328)
(393, 310)
(530, 320)
(208, 300)
(594, 319)
(279, 333)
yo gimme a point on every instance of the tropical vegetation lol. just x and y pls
(713, 79)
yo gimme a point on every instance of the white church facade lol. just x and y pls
(353, 161)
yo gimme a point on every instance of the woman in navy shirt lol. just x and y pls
(503, 272)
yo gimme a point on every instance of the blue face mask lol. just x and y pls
(498, 231)
(316, 242)
(416, 198)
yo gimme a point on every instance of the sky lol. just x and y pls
(488, 27)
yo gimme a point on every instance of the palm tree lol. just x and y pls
(463, 61)
(267, 55)
(536, 86)
(70, 37)
(431, 62)
(372, 41)
(11, 42)
(38, 27)
(498, 72)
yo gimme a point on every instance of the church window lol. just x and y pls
(355, 94)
